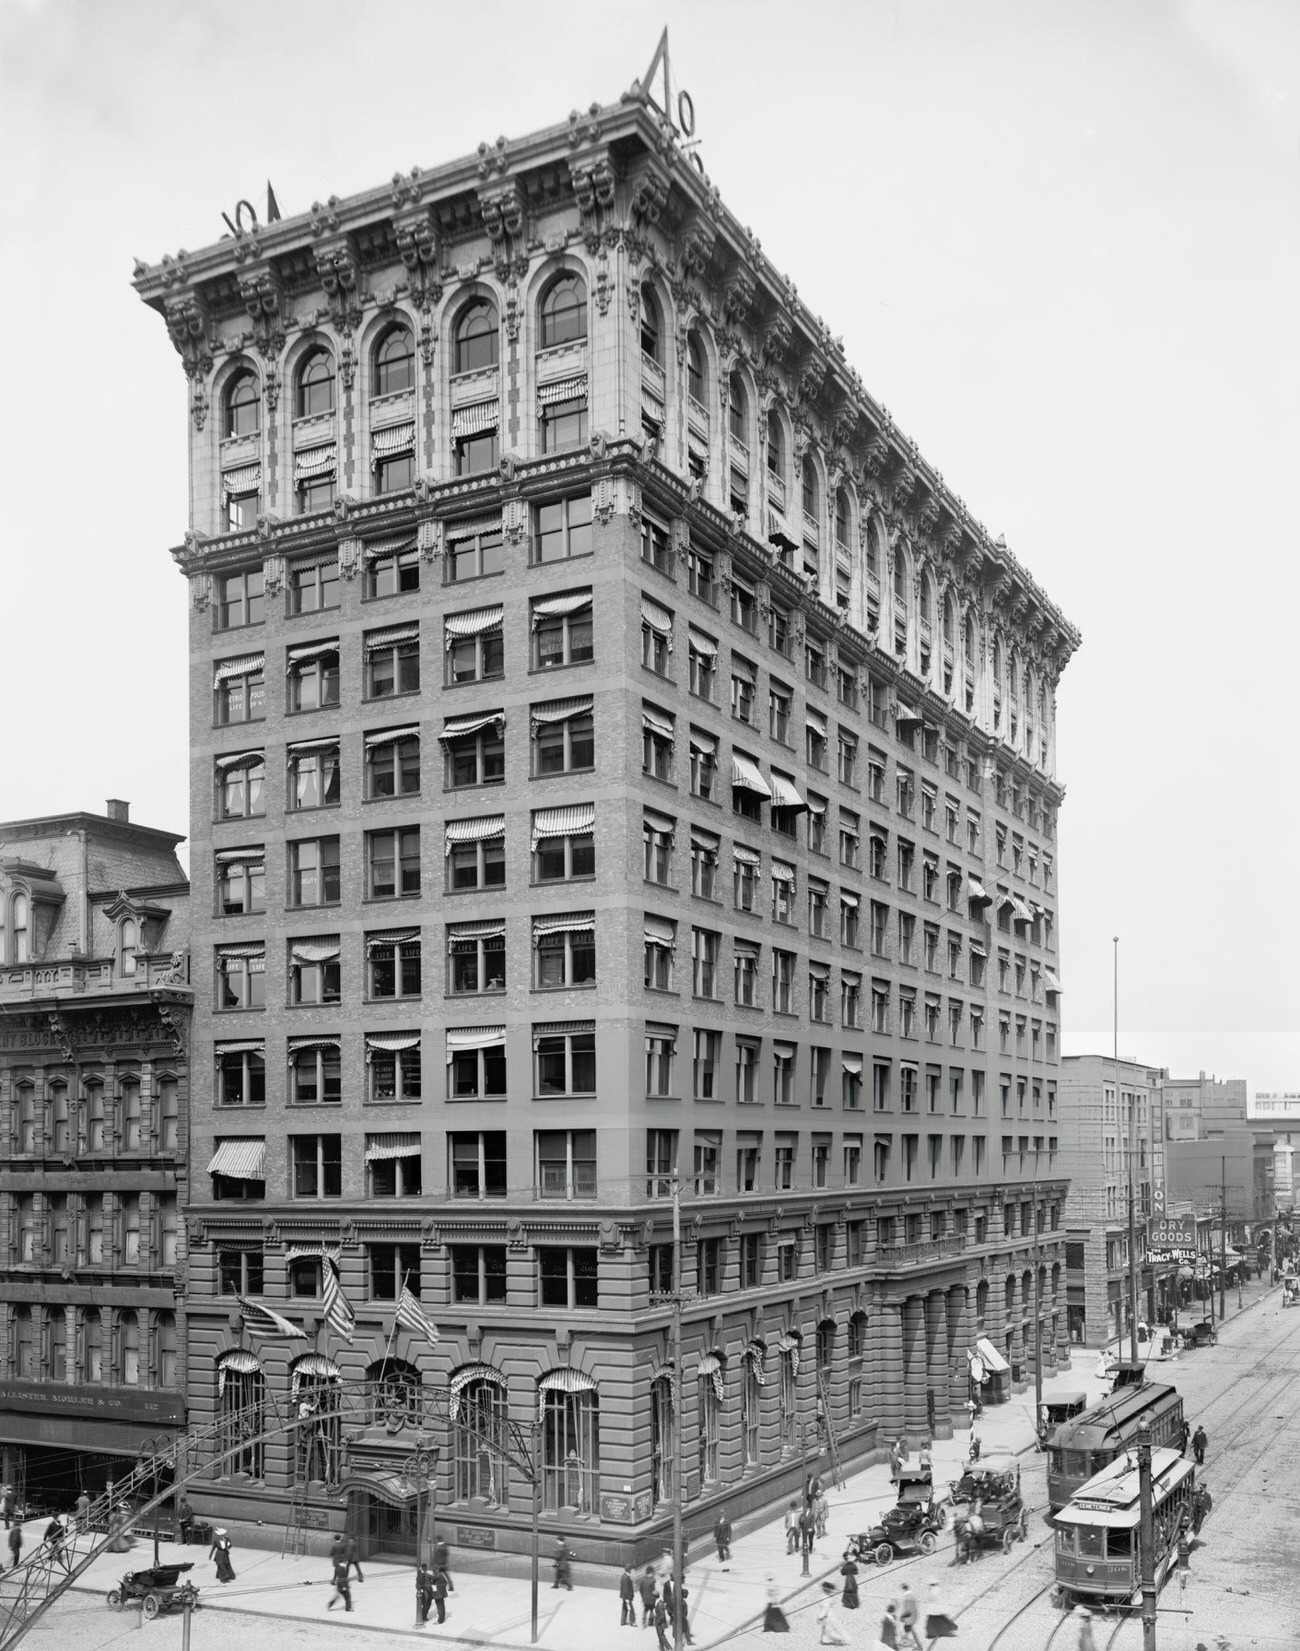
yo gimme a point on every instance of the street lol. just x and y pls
(1241, 1585)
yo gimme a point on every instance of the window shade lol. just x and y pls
(388, 442)
(581, 922)
(702, 644)
(379, 1148)
(474, 419)
(555, 607)
(391, 636)
(746, 776)
(474, 1037)
(470, 527)
(658, 619)
(560, 710)
(314, 951)
(241, 1160)
(459, 727)
(392, 736)
(475, 831)
(571, 821)
(241, 759)
(474, 623)
(562, 389)
(245, 665)
(316, 461)
(247, 479)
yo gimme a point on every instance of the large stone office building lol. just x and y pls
(94, 1078)
(616, 756)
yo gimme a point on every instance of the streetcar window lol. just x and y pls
(1092, 1539)
(1120, 1544)
(1054, 1460)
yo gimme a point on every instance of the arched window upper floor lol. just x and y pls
(393, 363)
(652, 325)
(697, 370)
(738, 409)
(477, 337)
(17, 935)
(810, 491)
(775, 446)
(843, 517)
(314, 385)
(242, 405)
(563, 310)
(128, 945)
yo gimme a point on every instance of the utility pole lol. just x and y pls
(1146, 1540)
(1223, 1231)
(679, 1477)
(1038, 1320)
(1128, 1153)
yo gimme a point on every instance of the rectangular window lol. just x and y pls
(565, 1059)
(391, 1171)
(393, 1267)
(474, 750)
(708, 1266)
(393, 1066)
(850, 839)
(241, 976)
(313, 775)
(783, 1154)
(474, 646)
(562, 630)
(563, 425)
(660, 1162)
(315, 975)
(748, 1053)
(564, 737)
(745, 966)
(880, 1086)
(315, 1072)
(779, 701)
(392, 662)
(393, 964)
(704, 764)
(314, 872)
(656, 636)
(476, 855)
(476, 1163)
(566, 1163)
(241, 786)
(238, 598)
(562, 529)
(315, 586)
(751, 1260)
(703, 659)
(393, 763)
(479, 553)
(392, 863)
(657, 738)
(564, 951)
(787, 1260)
(568, 1278)
(317, 1164)
(391, 569)
(700, 575)
(706, 1054)
(850, 999)
(561, 852)
(783, 973)
(705, 947)
(478, 1273)
(239, 693)
(707, 1163)
(852, 1162)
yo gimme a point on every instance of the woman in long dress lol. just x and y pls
(938, 1624)
(830, 1630)
(220, 1551)
(849, 1571)
(774, 1617)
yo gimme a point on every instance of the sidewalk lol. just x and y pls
(496, 1609)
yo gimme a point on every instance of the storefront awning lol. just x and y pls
(993, 1360)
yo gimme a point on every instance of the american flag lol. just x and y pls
(411, 1316)
(338, 1310)
(261, 1320)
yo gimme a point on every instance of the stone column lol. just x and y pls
(961, 1335)
(936, 1358)
(885, 1362)
(915, 1368)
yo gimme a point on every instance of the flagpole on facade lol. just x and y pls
(392, 1334)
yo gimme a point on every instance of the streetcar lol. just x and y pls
(1097, 1560)
(1085, 1444)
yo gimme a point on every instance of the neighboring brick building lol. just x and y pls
(1100, 1129)
(615, 754)
(1201, 1108)
(94, 1096)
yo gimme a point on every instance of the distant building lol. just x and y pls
(94, 1095)
(1108, 1111)
(1234, 1171)
(1278, 1115)
(1201, 1108)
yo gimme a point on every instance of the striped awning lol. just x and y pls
(746, 776)
(560, 710)
(308, 655)
(321, 559)
(308, 748)
(745, 856)
(711, 1365)
(316, 461)
(234, 954)
(563, 1029)
(470, 527)
(784, 794)
(384, 945)
(777, 532)
(848, 898)
(474, 419)
(659, 619)
(390, 1043)
(239, 1046)
(573, 388)
(391, 440)
(815, 721)
(460, 1380)
(474, 1037)
(782, 873)
(299, 1046)
(392, 736)
(314, 951)
(660, 932)
(391, 635)
(1050, 982)
(241, 759)
(702, 644)
(459, 727)
(653, 723)
(467, 935)
(243, 1160)
(755, 1353)
(481, 830)
(247, 479)
(819, 971)
(245, 665)
(708, 841)
(555, 607)
(238, 1361)
(975, 893)
(1021, 912)
(565, 1380)
(789, 1343)
(905, 713)
(312, 1367)
(253, 855)
(578, 922)
(571, 821)
(379, 1148)
(705, 744)
(390, 547)
(474, 623)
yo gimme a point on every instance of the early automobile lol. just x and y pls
(157, 1589)
(988, 1510)
(913, 1524)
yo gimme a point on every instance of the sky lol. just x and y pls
(1060, 242)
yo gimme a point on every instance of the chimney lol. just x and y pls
(116, 809)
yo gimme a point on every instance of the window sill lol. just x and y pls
(395, 997)
(310, 613)
(250, 625)
(563, 773)
(238, 722)
(309, 710)
(328, 1003)
(560, 882)
(473, 681)
(472, 578)
(471, 785)
(402, 797)
(477, 888)
(487, 991)
(317, 905)
(584, 986)
(388, 899)
(318, 808)
(558, 670)
(235, 819)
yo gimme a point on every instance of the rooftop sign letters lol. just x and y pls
(678, 111)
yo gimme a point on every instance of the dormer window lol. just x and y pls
(128, 944)
(19, 910)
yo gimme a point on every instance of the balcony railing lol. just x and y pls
(920, 1250)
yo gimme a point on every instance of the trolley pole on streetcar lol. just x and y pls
(679, 1487)
(1146, 1540)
